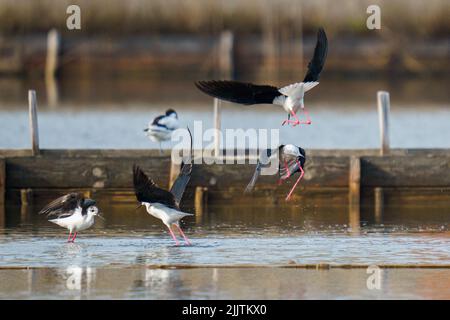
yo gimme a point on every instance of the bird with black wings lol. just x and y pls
(73, 212)
(290, 97)
(163, 204)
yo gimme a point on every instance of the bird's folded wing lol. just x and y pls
(316, 64)
(146, 190)
(63, 206)
(239, 92)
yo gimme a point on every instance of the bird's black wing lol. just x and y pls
(147, 191)
(239, 92)
(320, 54)
(263, 162)
(183, 178)
(63, 206)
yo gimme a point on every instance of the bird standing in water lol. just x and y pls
(163, 204)
(73, 212)
(290, 97)
(291, 159)
(161, 128)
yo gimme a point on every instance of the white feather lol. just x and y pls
(298, 89)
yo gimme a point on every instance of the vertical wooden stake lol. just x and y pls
(2, 191)
(34, 131)
(53, 46)
(217, 125)
(379, 204)
(383, 117)
(201, 202)
(226, 47)
(354, 193)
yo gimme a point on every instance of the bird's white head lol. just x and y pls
(172, 113)
(292, 150)
(92, 211)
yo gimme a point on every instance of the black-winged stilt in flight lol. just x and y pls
(161, 128)
(290, 97)
(163, 204)
(73, 212)
(291, 159)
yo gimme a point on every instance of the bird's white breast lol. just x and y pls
(76, 222)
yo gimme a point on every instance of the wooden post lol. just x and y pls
(2, 191)
(383, 117)
(379, 204)
(354, 193)
(2, 181)
(53, 46)
(217, 125)
(201, 202)
(26, 197)
(32, 103)
(226, 47)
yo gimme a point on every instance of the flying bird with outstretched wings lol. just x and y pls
(290, 97)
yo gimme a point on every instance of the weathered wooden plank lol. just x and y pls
(155, 153)
(406, 171)
(319, 171)
(81, 172)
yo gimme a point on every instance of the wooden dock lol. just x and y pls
(326, 172)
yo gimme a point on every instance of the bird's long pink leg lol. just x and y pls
(308, 119)
(184, 236)
(70, 234)
(289, 173)
(298, 180)
(173, 236)
(74, 237)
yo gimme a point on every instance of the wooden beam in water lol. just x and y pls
(354, 193)
(201, 202)
(379, 205)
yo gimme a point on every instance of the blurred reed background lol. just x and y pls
(416, 18)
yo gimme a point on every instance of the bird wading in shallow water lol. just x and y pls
(73, 212)
(291, 159)
(290, 97)
(161, 128)
(163, 204)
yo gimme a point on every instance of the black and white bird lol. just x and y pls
(161, 128)
(291, 159)
(290, 97)
(73, 212)
(163, 204)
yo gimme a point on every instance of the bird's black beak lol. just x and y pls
(140, 205)
(99, 214)
(146, 129)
